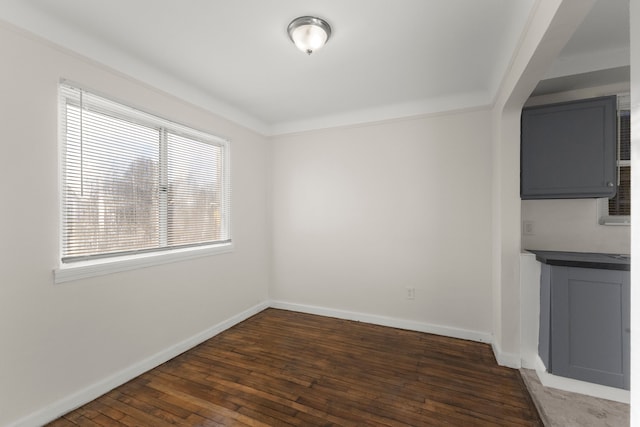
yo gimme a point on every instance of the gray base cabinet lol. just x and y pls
(588, 324)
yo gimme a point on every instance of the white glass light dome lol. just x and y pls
(309, 33)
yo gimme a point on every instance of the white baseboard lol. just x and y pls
(510, 360)
(582, 387)
(386, 321)
(529, 362)
(539, 365)
(81, 397)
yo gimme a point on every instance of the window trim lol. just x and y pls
(66, 272)
(98, 267)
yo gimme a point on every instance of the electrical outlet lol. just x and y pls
(411, 293)
(527, 228)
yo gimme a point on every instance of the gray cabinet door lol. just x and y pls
(590, 323)
(544, 335)
(568, 150)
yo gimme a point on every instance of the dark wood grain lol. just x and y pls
(281, 368)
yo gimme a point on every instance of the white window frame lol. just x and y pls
(624, 103)
(100, 266)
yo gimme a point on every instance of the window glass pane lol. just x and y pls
(110, 186)
(621, 203)
(625, 135)
(194, 191)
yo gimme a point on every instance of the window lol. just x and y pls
(133, 183)
(617, 210)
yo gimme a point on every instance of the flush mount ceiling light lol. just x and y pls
(309, 33)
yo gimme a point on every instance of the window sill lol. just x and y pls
(83, 270)
(605, 219)
(615, 220)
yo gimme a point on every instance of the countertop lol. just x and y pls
(584, 259)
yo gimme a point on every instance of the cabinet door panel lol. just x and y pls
(544, 335)
(590, 320)
(568, 150)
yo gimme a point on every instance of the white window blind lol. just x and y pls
(620, 204)
(133, 182)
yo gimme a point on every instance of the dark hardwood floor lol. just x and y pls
(282, 368)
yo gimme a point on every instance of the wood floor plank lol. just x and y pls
(281, 368)
(62, 422)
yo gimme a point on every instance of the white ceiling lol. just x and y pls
(385, 59)
(597, 53)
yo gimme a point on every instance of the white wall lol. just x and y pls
(551, 26)
(56, 340)
(362, 213)
(529, 310)
(572, 225)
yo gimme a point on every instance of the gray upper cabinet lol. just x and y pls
(568, 150)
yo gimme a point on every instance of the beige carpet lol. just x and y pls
(559, 408)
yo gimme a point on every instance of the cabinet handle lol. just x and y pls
(609, 184)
